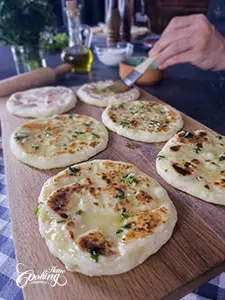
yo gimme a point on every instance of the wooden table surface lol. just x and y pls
(194, 254)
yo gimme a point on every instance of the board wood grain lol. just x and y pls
(194, 254)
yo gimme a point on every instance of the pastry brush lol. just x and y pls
(121, 86)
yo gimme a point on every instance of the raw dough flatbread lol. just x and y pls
(42, 102)
(144, 121)
(194, 162)
(104, 217)
(59, 141)
(92, 93)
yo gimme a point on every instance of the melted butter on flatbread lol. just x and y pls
(144, 115)
(100, 210)
(58, 135)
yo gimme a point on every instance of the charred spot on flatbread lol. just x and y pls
(220, 183)
(175, 148)
(184, 171)
(143, 197)
(60, 200)
(96, 240)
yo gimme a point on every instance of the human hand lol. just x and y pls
(190, 39)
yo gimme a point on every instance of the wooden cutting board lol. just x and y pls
(194, 254)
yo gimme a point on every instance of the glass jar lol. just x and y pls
(27, 58)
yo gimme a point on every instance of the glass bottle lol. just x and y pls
(113, 23)
(126, 16)
(78, 55)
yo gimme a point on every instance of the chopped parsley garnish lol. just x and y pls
(124, 123)
(87, 125)
(198, 147)
(74, 136)
(219, 137)
(129, 179)
(80, 212)
(20, 136)
(73, 171)
(187, 164)
(222, 157)
(207, 160)
(124, 213)
(119, 231)
(140, 106)
(121, 194)
(127, 226)
(36, 212)
(120, 106)
(94, 253)
(94, 136)
(79, 132)
(160, 157)
(62, 221)
(166, 170)
(35, 147)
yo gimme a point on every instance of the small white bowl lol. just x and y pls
(111, 56)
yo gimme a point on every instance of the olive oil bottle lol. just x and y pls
(78, 55)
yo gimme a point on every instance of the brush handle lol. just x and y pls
(141, 68)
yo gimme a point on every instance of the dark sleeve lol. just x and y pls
(216, 14)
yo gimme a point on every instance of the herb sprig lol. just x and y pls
(124, 213)
(199, 147)
(36, 212)
(73, 171)
(121, 194)
(124, 123)
(121, 229)
(129, 179)
(94, 253)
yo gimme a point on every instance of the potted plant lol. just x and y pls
(21, 25)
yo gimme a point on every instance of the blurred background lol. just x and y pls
(160, 12)
(34, 34)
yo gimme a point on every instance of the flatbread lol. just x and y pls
(144, 121)
(95, 93)
(104, 217)
(42, 102)
(59, 141)
(194, 162)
